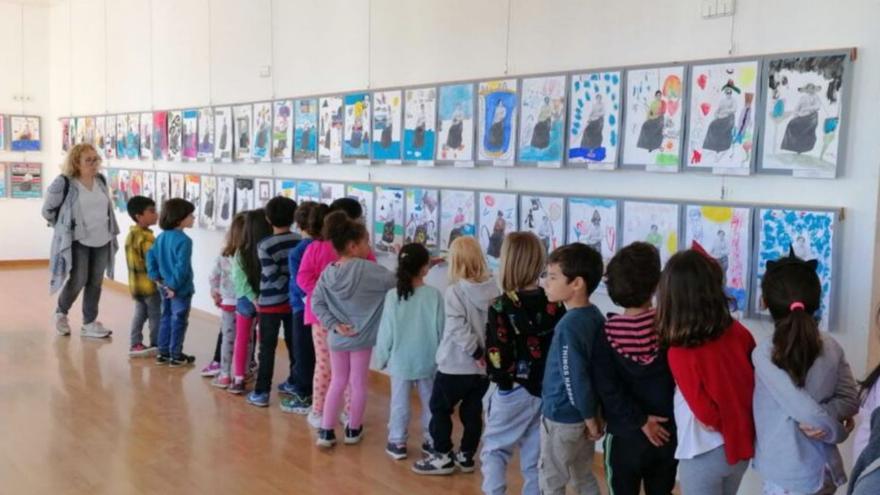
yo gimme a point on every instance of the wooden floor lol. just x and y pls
(78, 417)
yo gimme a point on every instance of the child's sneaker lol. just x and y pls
(62, 326)
(212, 369)
(427, 448)
(396, 451)
(250, 376)
(464, 461)
(140, 350)
(353, 436)
(286, 388)
(181, 360)
(163, 359)
(95, 330)
(315, 419)
(296, 404)
(434, 465)
(326, 438)
(259, 399)
(236, 387)
(221, 381)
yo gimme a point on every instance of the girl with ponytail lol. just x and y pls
(805, 393)
(412, 324)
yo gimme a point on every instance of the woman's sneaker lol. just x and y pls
(62, 326)
(315, 419)
(465, 462)
(326, 438)
(212, 369)
(221, 381)
(435, 465)
(95, 330)
(181, 360)
(396, 451)
(353, 436)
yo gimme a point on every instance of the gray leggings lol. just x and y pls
(86, 272)
(710, 474)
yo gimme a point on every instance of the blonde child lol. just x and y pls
(223, 294)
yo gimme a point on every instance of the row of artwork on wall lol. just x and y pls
(741, 237)
(20, 133)
(21, 180)
(773, 114)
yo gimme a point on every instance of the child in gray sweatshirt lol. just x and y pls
(348, 300)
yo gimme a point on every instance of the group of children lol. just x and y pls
(679, 386)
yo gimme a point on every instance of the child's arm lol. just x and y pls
(844, 404)
(500, 349)
(294, 260)
(182, 270)
(214, 280)
(457, 326)
(308, 273)
(385, 338)
(688, 379)
(323, 312)
(575, 370)
(617, 401)
(153, 266)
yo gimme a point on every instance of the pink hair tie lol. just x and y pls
(796, 305)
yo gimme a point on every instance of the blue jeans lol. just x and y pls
(513, 419)
(398, 421)
(172, 330)
(245, 307)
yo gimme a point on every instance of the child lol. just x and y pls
(412, 324)
(709, 356)
(632, 377)
(518, 335)
(296, 391)
(571, 423)
(348, 301)
(869, 392)
(461, 374)
(805, 394)
(316, 257)
(246, 279)
(274, 299)
(147, 302)
(865, 477)
(223, 293)
(169, 263)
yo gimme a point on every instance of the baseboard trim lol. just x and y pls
(18, 264)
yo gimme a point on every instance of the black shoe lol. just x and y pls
(353, 436)
(464, 461)
(163, 359)
(181, 360)
(396, 451)
(326, 438)
(427, 448)
(435, 465)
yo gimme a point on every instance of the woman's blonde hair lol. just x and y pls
(522, 260)
(466, 261)
(70, 167)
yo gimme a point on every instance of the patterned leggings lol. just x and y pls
(321, 381)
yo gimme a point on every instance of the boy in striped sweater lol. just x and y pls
(632, 377)
(273, 302)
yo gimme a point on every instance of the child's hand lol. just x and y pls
(217, 299)
(595, 429)
(656, 433)
(481, 362)
(346, 330)
(811, 431)
(169, 294)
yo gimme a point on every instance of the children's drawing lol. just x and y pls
(242, 123)
(224, 199)
(387, 116)
(121, 130)
(331, 191)
(100, 130)
(363, 193)
(206, 134)
(207, 201)
(163, 188)
(653, 130)
(146, 134)
(132, 136)
(286, 188)
(136, 183)
(26, 180)
(457, 216)
(282, 131)
(356, 139)
(149, 189)
(25, 135)
(594, 119)
(224, 135)
(175, 135)
(545, 217)
(420, 119)
(496, 218)
(90, 129)
(422, 217)
(725, 233)
(190, 135)
(65, 135)
(109, 137)
(456, 131)
(263, 191)
(244, 194)
(192, 191)
(307, 190)
(721, 121)
(810, 236)
(121, 193)
(178, 185)
(330, 137)
(802, 114)
(262, 142)
(388, 225)
(654, 223)
(3, 176)
(160, 134)
(542, 120)
(593, 221)
(497, 110)
(305, 118)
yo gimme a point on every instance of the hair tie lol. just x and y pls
(795, 306)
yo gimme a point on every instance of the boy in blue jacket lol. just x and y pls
(169, 263)
(571, 424)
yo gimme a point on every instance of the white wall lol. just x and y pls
(131, 55)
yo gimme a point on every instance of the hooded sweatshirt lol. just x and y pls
(352, 293)
(464, 332)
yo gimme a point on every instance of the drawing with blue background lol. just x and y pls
(305, 140)
(308, 191)
(419, 134)
(587, 129)
(357, 126)
(500, 107)
(456, 108)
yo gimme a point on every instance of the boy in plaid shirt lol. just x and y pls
(148, 304)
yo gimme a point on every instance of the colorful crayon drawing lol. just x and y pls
(653, 131)
(282, 131)
(192, 191)
(422, 217)
(160, 134)
(420, 120)
(207, 201)
(457, 216)
(224, 136)
(244, 194)
(356, 138)
(262, 132)
(121, 130)
(545, 217)
(497, 128)
(190, 135)
(286, 188)
(331, 121)
(25, 133)
(305, 118)
(363, 193)
(331, 191)
(206, 134)
(542, 120)
(387, 117)
(456, 131)
(224, 199)
(308, 190)
(178, 185)
(388, 224)
(654, 223)
(593, 221)
(150, 185)
(26, 180)
(163, 188)
(594, 119)
(146, 135)
(496, 217)
(242, 123)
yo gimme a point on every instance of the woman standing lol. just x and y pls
(84, 245)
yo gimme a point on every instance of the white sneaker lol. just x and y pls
(314, 419)
(95, 330)
(62, 326)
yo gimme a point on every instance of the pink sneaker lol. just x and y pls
(212, 369)
(140, 350)
(221, 381)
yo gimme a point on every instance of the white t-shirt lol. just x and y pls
(693, 438)
(94, 206)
